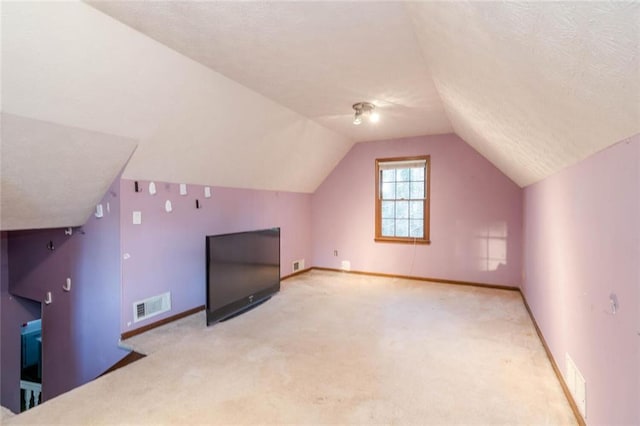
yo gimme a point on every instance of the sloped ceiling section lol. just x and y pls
(259, 94)
(317, 58)
(53, 176)
(535, 86)
(71, 65)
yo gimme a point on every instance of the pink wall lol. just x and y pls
(167, 251)
(476, 214)
(582, 243)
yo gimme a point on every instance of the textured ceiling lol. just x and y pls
(44, 163)
(70, 65)
(533, 86)
(536, 86)
(317, 58)
(220, 92)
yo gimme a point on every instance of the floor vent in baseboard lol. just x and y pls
(577, 385)
(151, 306)
(298, 265)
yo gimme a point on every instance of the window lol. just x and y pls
(402, 199)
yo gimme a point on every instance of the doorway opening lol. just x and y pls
(31, 364)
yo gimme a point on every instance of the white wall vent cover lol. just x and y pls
(152, 306)
(298, 265)
(577, 385)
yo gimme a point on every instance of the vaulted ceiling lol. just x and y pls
(259, 94)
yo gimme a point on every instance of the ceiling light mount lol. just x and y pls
(365, 110)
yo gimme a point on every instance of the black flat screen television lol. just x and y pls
(243, 270)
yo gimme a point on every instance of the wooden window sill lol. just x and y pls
(401, 240)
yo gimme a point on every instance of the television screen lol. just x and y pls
(243, 270)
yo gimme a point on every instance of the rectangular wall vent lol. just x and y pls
(151, 306)
(577, 385)
(298, 265)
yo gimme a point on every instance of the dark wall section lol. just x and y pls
(96, 289)
(80, 327)
(14, 311)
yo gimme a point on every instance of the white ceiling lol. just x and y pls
(69, 65)
(37, 155)
(316, 58)
(219, 92)
(533, 86)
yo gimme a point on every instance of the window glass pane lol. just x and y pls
(403, 175)
(417, 190)
(416, 228)
(388, 227)
(388, 209)
(388, 191)
(389, 175)
(402, 228)
(417, 174)
(416, 209)
(402, 193)
(402, 209)
(402, 190)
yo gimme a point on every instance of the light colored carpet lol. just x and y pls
(334, 348)
(5, 414)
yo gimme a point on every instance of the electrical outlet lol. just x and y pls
(346, 265)
(137, 217)
(335, 253)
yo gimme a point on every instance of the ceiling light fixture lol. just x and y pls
(365, 110)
